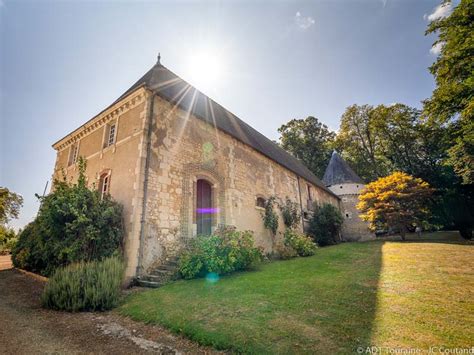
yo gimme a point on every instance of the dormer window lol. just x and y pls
(73, 153)
(111, 130)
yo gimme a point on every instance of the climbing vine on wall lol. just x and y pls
(269, 217)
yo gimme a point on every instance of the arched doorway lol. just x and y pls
(204, 208)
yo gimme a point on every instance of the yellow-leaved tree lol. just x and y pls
(396, 201)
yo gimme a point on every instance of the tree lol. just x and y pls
(73, 224)
(396, 201)
(359, 144)
(10, 204)
(452, 101)
(308, 140)
(325, 225)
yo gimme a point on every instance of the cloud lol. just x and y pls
(439, 11)
(304, 22)
(436, 48)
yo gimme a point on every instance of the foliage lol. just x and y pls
(302, 244)
(8, 239)
(452, 101)
(85, 286)
(396, 201)
(290, 212)
(283, 252)
(10, 204)
(74, 223)
(325, 225)
(360, 144)
(308, 140)
(269, 217)
(224, 252)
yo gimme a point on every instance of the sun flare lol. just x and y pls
(205, 70)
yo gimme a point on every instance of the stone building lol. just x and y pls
(182, 165)
(345, 183)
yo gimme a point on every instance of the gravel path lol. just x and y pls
(26, 328)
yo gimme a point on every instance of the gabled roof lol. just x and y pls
(339, 172)
(172, 88)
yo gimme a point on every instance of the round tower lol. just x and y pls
(345, 183)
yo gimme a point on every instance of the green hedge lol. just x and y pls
(325, 225)
(225, 252)
(85, 286)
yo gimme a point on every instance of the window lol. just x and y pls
(348, 215)
(110, 135)
(73, 152)
(104, 184)
(260, 202)
(310, 194)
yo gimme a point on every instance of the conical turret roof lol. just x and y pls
(339, 172)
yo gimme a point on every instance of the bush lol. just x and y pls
(302, 244)
(8, 240)
(325, 225)
(225, 252)
(73, 224)
(85, 286)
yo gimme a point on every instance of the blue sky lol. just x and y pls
(268, 62)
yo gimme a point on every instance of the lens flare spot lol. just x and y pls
(212, 277)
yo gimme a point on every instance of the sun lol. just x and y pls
(205, 70)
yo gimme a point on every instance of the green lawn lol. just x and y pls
(394, 294)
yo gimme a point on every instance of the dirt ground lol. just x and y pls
(26, 328)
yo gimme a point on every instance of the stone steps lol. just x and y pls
(159, 276)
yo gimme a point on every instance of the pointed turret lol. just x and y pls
(339, 172)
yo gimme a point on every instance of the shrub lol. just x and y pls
(290, 213)
(85, 286)
(225, 252)
(8, 240)
(284, 252)
(325, 225)
(302, 244)
(73, 224)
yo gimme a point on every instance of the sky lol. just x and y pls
(268, 62)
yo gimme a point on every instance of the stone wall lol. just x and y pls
(354, 228)
(124, 160)
(185, 149)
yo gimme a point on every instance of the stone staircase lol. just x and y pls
(161, 275)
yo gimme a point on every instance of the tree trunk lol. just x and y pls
(403, 232)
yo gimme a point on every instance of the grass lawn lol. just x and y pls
(394, 294)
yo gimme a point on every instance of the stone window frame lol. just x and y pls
(106, 139)
(257, 198)
(194, 172)
(73, 154)
(104, 174)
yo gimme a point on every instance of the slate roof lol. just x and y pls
(339, 172)
(172, 88)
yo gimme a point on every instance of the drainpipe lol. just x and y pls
(145, 183)
(301, 202)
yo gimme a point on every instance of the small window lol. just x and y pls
(348, 215)
(260, 202)
(104, 184)
(310, 193)
(110, 135)
(340, 187)
(73, 152)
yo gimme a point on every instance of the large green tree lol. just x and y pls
(10, 204)
(308, 140)
(452, 101)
